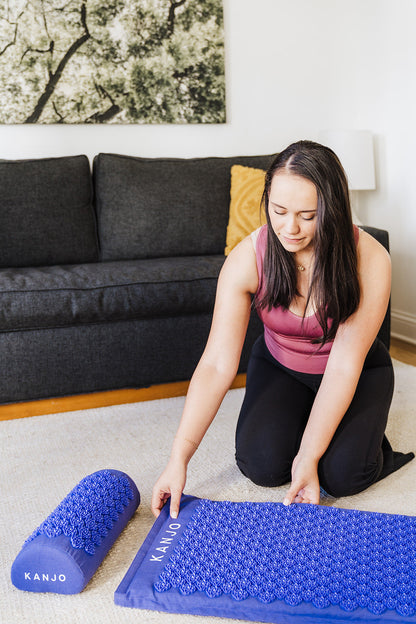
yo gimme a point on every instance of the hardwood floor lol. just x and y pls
(403, 351)
(99, 399)
(399, 350)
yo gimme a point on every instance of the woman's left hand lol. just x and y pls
(305, 482)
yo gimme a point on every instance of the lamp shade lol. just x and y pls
(355, 150)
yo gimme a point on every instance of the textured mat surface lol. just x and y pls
(271, 563)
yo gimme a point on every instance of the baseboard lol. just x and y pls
(100, 399)
(403, 326)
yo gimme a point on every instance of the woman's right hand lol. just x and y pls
(171, 484)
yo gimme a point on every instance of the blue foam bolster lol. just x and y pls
(271, 563)
(63, 553)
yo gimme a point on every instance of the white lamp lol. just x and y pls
(355, 150)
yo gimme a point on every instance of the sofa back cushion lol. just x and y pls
(160, 207)
(46, 212)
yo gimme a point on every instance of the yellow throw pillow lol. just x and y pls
(247, 185)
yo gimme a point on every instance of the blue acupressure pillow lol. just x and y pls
(64, 552)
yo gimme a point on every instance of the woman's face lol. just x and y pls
(293, 206)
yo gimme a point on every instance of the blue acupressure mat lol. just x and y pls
(63, 553)
(271, 563)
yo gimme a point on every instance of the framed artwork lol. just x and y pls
(118, 61)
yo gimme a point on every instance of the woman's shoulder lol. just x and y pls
(241, 266)
(371, 253)
(366, 242)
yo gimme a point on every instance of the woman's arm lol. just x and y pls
(215, 372)
(351, 345)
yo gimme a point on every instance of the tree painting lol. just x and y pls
(112, 61)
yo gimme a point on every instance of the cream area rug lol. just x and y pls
(44, 457)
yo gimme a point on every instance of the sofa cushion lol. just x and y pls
(46, 212)
(59, 296)
(161, 207)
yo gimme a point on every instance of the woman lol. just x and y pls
(319, 382)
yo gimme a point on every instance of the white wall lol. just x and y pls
(293, 68)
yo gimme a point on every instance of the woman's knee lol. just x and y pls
(343, 475)
(267, 473)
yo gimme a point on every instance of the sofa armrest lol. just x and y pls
(383, 237)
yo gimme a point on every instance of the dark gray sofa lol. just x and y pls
(107, 280)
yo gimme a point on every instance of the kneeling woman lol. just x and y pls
(319, 381)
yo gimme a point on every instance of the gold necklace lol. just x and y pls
(300, 267)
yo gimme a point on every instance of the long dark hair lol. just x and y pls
(334, 288)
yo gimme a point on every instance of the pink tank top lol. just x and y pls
(286, 337)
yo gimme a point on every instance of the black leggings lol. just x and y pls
(275, 411)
